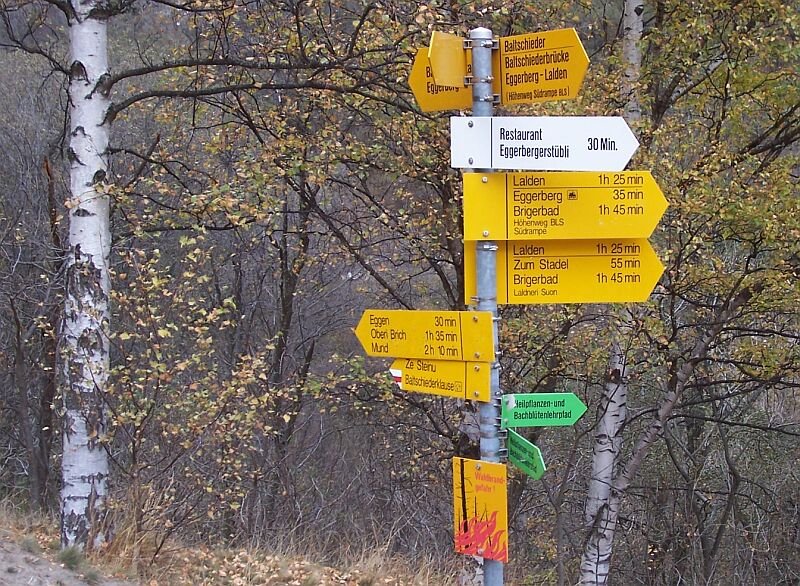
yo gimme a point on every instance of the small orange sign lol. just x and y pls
(433, 97)
(448, 59)
(445, 91)
(480, 508)
(448, 378)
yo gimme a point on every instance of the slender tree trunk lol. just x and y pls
(602, 503)
(633, 25)
(603, 499)
(48, 375)
(26, 421)
(596, 557)
(84, 345)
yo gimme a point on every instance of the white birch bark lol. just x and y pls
(602, 503)
(84, 349)
(633, 25)
(601, 510)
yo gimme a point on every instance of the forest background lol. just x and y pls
(269, 176)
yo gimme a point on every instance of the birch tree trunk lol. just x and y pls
(632, 25)
(84, 346)
(596, 558)
(602, 507)
(603, 496)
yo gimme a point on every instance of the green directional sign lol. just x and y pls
(541, 410)
(525, 455)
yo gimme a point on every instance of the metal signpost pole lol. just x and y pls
(597, 232)
(486, 278)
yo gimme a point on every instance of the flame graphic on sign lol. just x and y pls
(480, 537)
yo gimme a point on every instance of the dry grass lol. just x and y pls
(37, 535)
(225, 567)
(281, 564)
(34, 532)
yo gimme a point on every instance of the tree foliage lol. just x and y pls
(271, 177)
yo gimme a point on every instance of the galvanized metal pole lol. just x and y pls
(486, 278)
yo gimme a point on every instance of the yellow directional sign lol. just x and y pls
(480, 508)
(561, 206)
(530, 68)
(448, 59)
(539, 67)
(461, 380)
(431, 96)
(434, 335)
(570, 271)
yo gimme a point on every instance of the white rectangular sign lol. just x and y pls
(541, 143)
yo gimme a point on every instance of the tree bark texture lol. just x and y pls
(602, 507)
(633, 25)
(603, 500)
(84, 344)
(596, 558)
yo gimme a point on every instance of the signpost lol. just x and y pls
(480, 508)
(571, 271)
(525, 455)
(535, 237)
(482, 43)
(460, 380)
(435, 335)
(541, 410)
(528, 69)
(559, 206)
(539, 67)
(542, 143)
(448, 59)
(432, 96)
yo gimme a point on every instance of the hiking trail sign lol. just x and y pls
(434, 335)
(447, 378)
(541, 143)
(539, 67)
(431, 96)
(561, 205)
(525, 455)
(570, 271)
(541, 410)
(528, 69)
